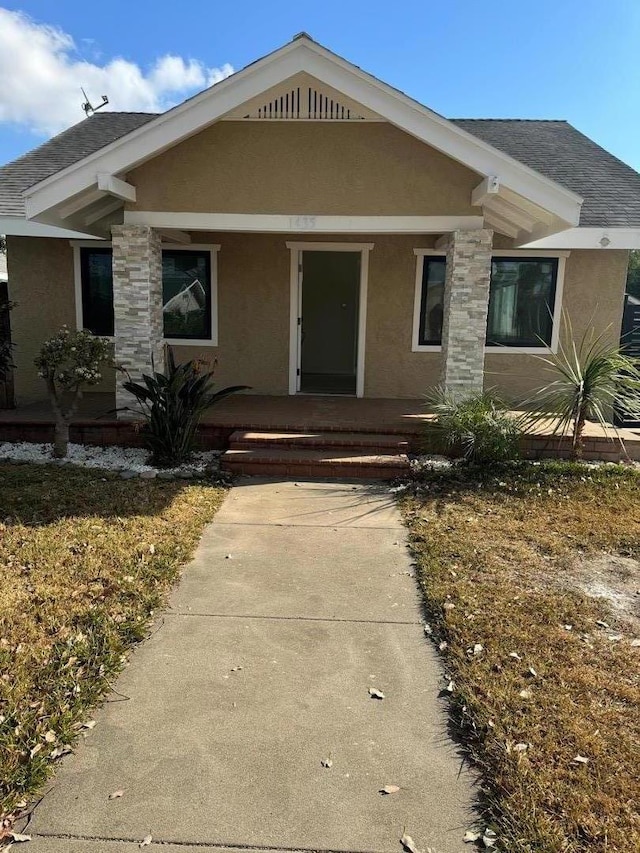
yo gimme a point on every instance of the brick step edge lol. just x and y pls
(385, 444)
(314, 470)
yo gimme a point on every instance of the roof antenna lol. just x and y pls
(88, 107)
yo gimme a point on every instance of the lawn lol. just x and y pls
(85, 560)
(546, 678)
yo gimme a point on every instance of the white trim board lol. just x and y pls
(212, 248)
(589, 238)
(293, 223)
(561, 256)
(301, 55)
(18, 226)
(295, 287)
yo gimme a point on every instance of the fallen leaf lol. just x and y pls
(90, 724)
(50, 737)
(531, 671)
(615, 637)
(635, 644)
(116, 795)
(152, 549)
(408, 843)
(451, 686)
(375, 693)
(521, 747)
(18, 837)
(515, 655)
(602, 624)
(525, 694)
(228, 557)
(236, 668)
(478, 647)
(390, 789)
(470, 836)
(146, 841)
(443, 645)
(580, 759)
(60, 750)
(428, 630)
(326, 762)
(36, 749)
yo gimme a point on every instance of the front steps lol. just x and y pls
(338, 455)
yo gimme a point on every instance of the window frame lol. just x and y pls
(421, 254)
(212, 248)
(541, 254)
(521, 254)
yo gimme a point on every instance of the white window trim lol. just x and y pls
(212, 248)
(496, 253)
(416, 346)
(295, 352)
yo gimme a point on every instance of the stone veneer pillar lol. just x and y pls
(466, 300)
(137, 305)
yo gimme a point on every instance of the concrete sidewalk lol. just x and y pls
(300, 598)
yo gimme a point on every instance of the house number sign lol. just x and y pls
(302, 223)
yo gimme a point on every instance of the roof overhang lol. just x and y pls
(18, 226)
(77, 187)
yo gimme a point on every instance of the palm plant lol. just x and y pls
(172, 405)
(479, 424)
(593, 377)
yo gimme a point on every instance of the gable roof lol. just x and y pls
(65, 149)
(609, 187)
(527, 193)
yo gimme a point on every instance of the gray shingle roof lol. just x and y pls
(64, 149)
(610, 188)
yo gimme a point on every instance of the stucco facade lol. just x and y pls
(254, 313)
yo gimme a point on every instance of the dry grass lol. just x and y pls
(84, 562)
(502, 548)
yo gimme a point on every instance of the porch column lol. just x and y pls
(466, 300)
(137, 305)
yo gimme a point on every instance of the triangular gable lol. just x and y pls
(247, 88)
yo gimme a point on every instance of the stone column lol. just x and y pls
(466, 300)
(137, 305)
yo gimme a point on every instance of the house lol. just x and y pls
(317, 231)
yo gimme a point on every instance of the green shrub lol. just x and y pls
(479, 426)
(68, 362)
(172, 405)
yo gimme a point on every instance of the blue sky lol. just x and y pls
(572, 59)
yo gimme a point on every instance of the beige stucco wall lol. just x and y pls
(305, 168)
(41, 283)
(254, 299)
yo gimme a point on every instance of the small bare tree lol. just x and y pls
(68, 362)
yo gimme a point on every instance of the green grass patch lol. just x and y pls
(85, 560)
(503, 558)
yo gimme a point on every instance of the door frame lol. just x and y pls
(295, 316)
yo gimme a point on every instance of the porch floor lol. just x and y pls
(253, 411)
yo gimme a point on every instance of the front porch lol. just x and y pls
(311, 415)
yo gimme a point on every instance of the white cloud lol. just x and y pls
(42, 72)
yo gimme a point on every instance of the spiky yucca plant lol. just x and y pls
(593, 377)
(172, 405)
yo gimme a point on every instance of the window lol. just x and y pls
(97, 291)
(188, 293)
(521, 302)
(431, 301)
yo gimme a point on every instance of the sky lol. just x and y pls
(577, 60)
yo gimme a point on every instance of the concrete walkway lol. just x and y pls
(300, 598)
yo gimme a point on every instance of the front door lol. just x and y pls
(330, 294)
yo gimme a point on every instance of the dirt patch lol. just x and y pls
(615, 579)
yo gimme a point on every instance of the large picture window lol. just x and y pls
(187, 293)
(431, 301)
(97, 291)
(521, 302)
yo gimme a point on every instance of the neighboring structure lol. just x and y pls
(315, 230)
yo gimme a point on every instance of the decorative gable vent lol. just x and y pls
(304, 102)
